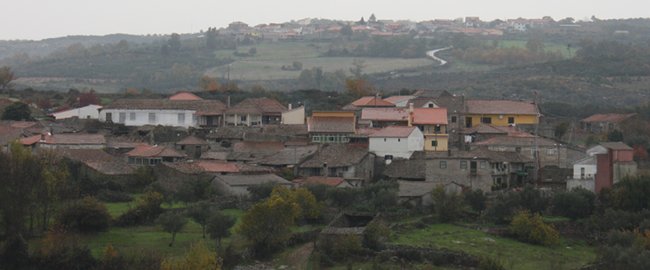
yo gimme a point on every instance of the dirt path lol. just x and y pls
(299, 258)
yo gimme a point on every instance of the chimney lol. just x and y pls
(228, 102)
(289, 106)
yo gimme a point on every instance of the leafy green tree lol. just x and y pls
(475, 199)
(561, 129)
(268, 224)
(577, 203)
(446, 206)
(198, 257)
(218, 226)
(6, 77)
(615, 136)
(200, 213)
(171, 222)
(86, 215)
(532, 229)
(17, 111)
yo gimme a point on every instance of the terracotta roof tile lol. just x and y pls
(154, 151)
(372, 101)
(75, 139)
(257, 106)
(337, 155)
(192, 140)
(320, 180)
(99, 160)
(609, 117)
(326, 124)
(430, 116)
(393, 132)
(385, 114)
(501, 107)
(185, 96)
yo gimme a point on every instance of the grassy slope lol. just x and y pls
(270, 57)
(513, 254)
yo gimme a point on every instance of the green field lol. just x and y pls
(267, 63)
(548, 46)
(511, 253)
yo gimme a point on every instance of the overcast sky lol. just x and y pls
(38, 19)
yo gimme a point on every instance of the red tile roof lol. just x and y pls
(192, 140)
(153, 151)
(609, 117)
(430, 116)
(385, 114)
(393, 132)
(30, 140)
(501, 107)
(331, 124)
(372, 101)
(185, 96)
(320, 180)
(217, 167)
(258, 147)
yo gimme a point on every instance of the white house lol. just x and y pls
(396, 142)
(294, 116)
(584, 170)
(178, 113)
(87, 112)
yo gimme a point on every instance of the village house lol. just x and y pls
(477, 169)
(415, 193)
(255, 112)
(331, 127)
(293, 116)
(181, 110)
(87, 112)
(614, 164)
(500, 113)
(192, 146)
(367, 102)
(605, 123)
(288, 157)
(396, 142)
(238, 184)
(151, 155)
(249, 151)
(99, 166)
(354, 163)
(455, 106)
(11, 131)
(433, 124)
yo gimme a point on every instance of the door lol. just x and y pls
(468, 122)
(472, 168)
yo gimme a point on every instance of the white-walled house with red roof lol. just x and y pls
(396, 142)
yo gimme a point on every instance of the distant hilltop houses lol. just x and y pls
(323, 29)
(421, 140)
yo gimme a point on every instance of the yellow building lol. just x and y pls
(501, 113)
(433, 124)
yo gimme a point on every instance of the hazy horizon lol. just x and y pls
(35, 20)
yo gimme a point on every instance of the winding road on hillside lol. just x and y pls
(432, 54)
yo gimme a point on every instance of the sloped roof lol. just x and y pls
(415, 188)
(202, 107)
(215, 155)
(430, 116)
(257, 106)
(385, 114)
(398, 99)
(372, 101)
(501, 107)
(99, 160)
(406, 169)
(192, 140)
(393, 132)
(336, 155)
(320, 180)
(65, 138)
(516, 141)
(327, 124)
(289, 156)
(616, 146)
(608, 117)
(250, 180)
(154, 151)
(257, 147)
(204, 166)
(185, 96)
(30, 140)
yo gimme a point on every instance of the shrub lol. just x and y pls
(260, 192)
(61, 251)
(532, 229)
(85, 215)
(575, 204)
(375, 235)
(487, 263)
(146, 210)
(14, 253)
(340, 248)
(624, 250)
(447, 206)
(475, 199)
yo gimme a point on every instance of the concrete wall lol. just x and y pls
(294, 117)
(589, 171)
(141, 117)
(588, 184)
(454, 173)
(397, 147)
(87, 112)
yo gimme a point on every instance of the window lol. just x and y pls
(132, 116)
(486, 120)
(384, 139)
(463, 165)
(242, 118)
(430, 105)
(109, 117)
(315, 139)
(437, 129)
(399, 140)
(483, 164)
(443, 164)
(551, 151)
(181, 118)
(453, 119)
(511, 120)
(122, 117)
(152, 118)
(194, 118)
(582, 173)
(434, 143)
